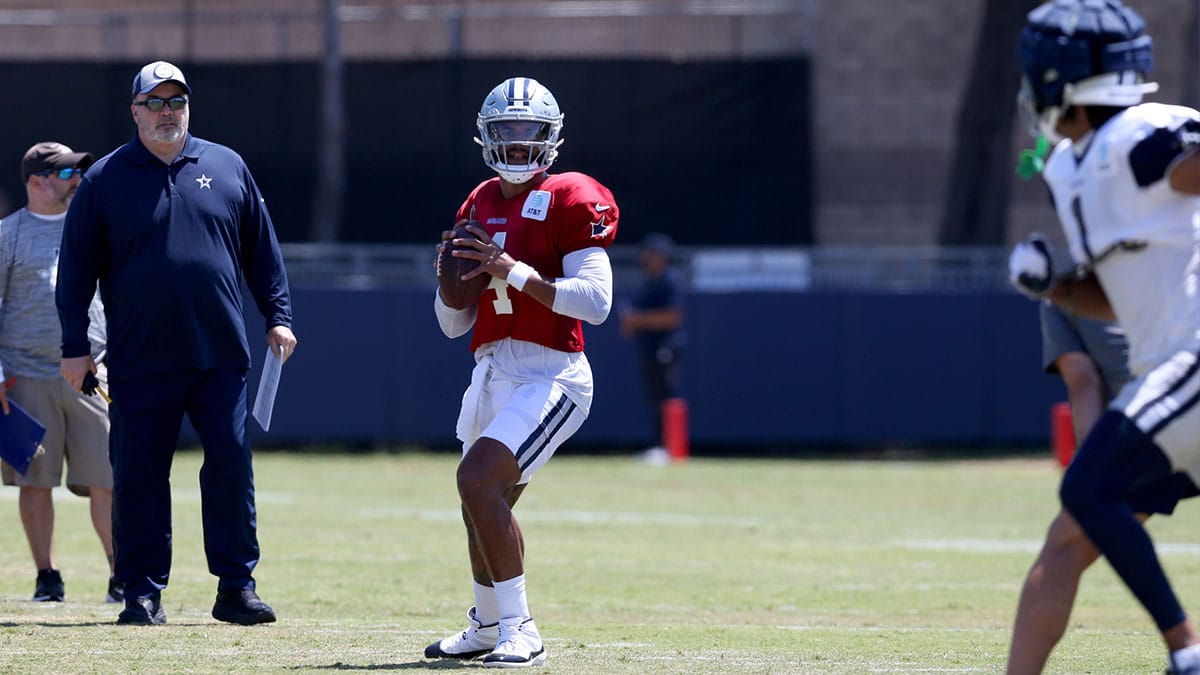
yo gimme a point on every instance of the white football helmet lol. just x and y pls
(518, 125)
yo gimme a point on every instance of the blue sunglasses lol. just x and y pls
(63, 174)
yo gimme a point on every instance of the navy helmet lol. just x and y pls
(1088, 52)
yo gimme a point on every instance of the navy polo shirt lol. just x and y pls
(170, 246)
(660, 293)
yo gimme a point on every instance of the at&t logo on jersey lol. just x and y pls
(537, 205)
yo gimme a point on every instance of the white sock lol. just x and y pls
(1188, 657)
(487, 611)
(510, 596)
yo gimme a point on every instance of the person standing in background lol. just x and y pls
(1089, 355)
(654, 320)
(76, 425)
(170, 225)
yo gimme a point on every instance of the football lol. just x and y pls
(455, 292)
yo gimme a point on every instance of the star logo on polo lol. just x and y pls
(205, 182)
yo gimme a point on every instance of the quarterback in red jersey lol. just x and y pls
(543, 240)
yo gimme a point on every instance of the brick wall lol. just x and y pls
(888, 77)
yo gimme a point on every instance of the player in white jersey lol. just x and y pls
(1125, 178)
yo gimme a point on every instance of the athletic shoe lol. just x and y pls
(1185, 661)
(142, 612)
(116, 590)
(49, 586)
(520, 645)
(476, 640)
(242, 607)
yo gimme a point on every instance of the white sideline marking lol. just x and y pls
(182, 495)
(664, 518)
(589, 517)
(1020, 546)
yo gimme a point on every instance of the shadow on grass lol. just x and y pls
(57, 624)
(412, 665)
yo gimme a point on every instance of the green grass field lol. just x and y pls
(747, 566)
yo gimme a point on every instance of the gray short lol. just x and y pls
(76, 430)
(1103, 341)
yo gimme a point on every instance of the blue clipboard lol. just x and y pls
(20, 435)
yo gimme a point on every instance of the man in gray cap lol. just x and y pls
(76, 425)
(171, 226)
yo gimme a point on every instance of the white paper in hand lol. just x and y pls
(264, 403)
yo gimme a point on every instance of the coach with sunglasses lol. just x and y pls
(169, 225)
(76, 426)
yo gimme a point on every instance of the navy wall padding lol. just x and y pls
(825, 369)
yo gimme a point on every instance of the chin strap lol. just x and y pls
(1031, 161)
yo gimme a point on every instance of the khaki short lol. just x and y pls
(76, 430)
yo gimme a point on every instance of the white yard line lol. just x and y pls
(177, 495)
(1020, 546)
(588, 517)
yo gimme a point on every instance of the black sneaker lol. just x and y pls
(49, 586)
(116, 590)
(243, 607)
(142, 612)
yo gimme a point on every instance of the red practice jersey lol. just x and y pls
(567, 212)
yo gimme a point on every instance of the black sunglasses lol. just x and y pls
(63, 174)
(155, 104)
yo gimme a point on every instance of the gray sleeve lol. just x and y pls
(6, 261)
(6, 255)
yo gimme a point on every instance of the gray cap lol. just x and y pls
(153, 74)
(51, 156)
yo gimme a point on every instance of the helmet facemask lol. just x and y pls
(1115, 90)
(1039, 120)
(518, 149)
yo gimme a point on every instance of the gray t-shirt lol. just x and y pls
(30, 334)
(1103, 341)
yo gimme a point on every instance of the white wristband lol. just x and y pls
(518, 275)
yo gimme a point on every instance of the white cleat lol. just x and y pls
(1185, 661)
(520, 645)
(476, 640)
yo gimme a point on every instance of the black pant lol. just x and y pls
(146, 416)
(660, 380)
